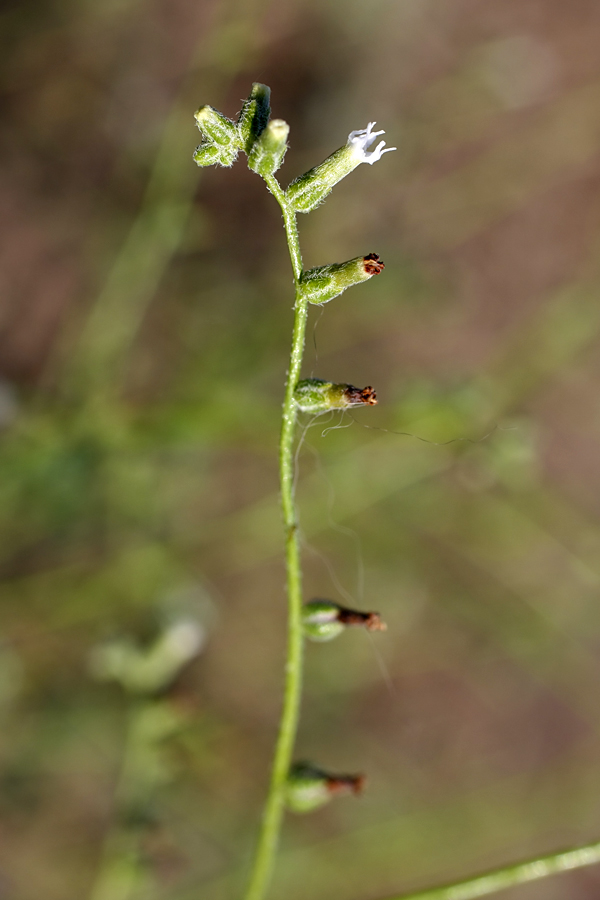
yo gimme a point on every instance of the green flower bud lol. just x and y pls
(310, 189)
(313, 395)
(268, 150)
(221, 144)
(324, 620)
(323, 283)
(209, 154)
(254, 116)
(309, 788)
(217, 128)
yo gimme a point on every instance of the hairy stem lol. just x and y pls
(500, 879)
(288, 726)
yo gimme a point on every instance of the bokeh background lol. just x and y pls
(144, 328)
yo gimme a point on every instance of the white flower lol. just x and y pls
(310, 189)
(361, 140)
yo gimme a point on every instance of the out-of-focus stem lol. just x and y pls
(508, 877)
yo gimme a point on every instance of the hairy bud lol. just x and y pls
(268, 150)
(221, 142)
(216, 127)
(254, 116)
(209, 154)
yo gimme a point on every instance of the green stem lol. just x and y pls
(500, 879)
(288, 726)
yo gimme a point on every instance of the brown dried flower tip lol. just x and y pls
(323, 283)
(324, 620)
(357, 396)
(353, 784)
(313, 395)
(372, 621)
(373, 265)
(309, 787)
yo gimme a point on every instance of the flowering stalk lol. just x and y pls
(304, 786)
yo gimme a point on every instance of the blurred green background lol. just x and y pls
(144, 331)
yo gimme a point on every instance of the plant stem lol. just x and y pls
(288, 726)
(500, 879)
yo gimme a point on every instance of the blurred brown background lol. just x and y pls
(144, 328)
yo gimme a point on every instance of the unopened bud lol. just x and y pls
(313, 395)
(324, 620)
(268, 150)
(216, 127)
(221, 138)
(309, 788)
(323, 283)
(310, 189)
(254, 116)
(210, 154)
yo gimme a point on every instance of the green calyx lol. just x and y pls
(323, 283)
(309, 190)
(221, 143)
(324, 620)
(320, 620)
(254, 117)
(268, 150)
(309, 788)
(209, 154)
(264, 142)
(217, 127)
(313, 395)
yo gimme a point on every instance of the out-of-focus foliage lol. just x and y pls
(143, 340)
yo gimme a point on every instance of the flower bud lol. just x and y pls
(324, 620)
(222, 142)
(310, 189)
(254, 116)
(323, 283)
(216, 127)
(313, 395)
(309, 788)
(268, 150)
(209, 154)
